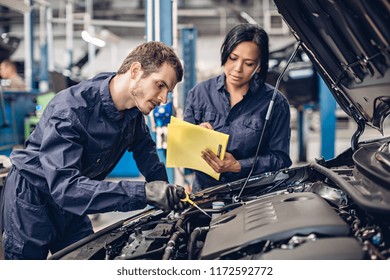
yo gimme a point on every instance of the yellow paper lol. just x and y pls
(186, 141)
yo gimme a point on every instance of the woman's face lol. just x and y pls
(241, 64)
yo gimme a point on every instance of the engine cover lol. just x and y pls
(273, 218)
(339, 248)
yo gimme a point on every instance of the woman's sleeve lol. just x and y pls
(277, 153)
(191, 107)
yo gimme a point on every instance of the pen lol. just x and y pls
(219, 150)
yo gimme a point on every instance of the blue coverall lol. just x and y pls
(58, 178)
(209, 101)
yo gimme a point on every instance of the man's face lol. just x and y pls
(149, 92)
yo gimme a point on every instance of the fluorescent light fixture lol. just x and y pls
(92, 40)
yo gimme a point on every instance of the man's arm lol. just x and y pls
(60, 157)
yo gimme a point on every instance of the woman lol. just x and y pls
(236, 103)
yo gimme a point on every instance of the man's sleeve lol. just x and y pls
(60, 157)
(145, 154)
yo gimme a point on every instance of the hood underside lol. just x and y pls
(348, 42)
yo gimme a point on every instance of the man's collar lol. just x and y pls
(109, 106)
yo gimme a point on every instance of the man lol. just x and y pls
(8, 72)
(58, 178)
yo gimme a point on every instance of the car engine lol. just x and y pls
(336, 209)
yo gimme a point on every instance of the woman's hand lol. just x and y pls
(206, 125)
(228, 164)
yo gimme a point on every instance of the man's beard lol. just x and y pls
(135, 97)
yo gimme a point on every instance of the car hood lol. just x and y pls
(348, 43)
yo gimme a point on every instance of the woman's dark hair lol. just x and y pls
(247, 32)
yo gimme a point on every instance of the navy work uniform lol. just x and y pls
(209, 101)
(57, 179)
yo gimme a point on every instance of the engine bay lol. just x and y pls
(323, 210)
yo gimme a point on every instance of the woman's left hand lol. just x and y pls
(228, 164)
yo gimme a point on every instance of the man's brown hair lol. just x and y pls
(152, 55)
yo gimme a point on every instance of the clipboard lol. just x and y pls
(186, 141)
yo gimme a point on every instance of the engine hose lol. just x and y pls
(171, 245)
(172, 241)
(143, 255)
(192, 240)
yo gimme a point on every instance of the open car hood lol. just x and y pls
(348, 43)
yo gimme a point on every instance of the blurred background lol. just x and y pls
(57, 43)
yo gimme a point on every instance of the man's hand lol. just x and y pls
(165, 196)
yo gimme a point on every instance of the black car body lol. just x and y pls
(328, 209)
